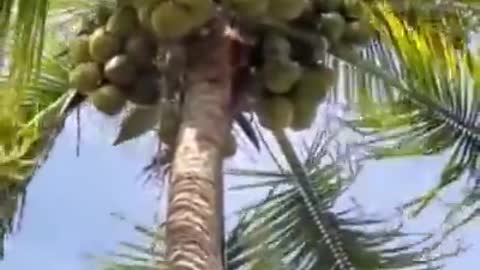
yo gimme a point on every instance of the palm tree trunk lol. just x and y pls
(194, 227)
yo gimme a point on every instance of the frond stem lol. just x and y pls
(311, 200)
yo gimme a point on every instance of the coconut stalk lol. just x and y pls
(194, 229)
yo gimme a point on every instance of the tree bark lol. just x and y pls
(194, 228)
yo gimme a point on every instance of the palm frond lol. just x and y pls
(466, 210)
(146, 254)
(427, 102)
(30, 119)
(27, 20)
(282, 229)
(24, 22)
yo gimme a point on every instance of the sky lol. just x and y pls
(70, 201)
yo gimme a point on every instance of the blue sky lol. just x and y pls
(70, 200)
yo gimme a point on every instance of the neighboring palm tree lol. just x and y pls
(29, 123)
(194, 233)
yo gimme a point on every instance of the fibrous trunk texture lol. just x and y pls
(194, 227)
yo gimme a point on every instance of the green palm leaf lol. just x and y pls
(428, 104)
(30, 119)
(25, 21)
(147, 255)
(282, 226)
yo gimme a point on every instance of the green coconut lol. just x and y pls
(275, 112)
(108, 99)
(200, 10)
(345, 51)
(276, 46)
(250, 8)
(332, 25)
(358, 32)
(327, 5)
(79, 50)
(120, 70)
(287, 9)
(280, 76)
(146, 90)
(85, 77)
(123, 22)
(171, 21)
(315, 83)
(305, 110)
(141, 49)
(352, 9)
(103, 45)
(230, 147)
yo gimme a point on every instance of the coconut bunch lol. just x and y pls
(124, 55)
(339, 21)
(119, 58)
(114, 60)
(292, 89)
(343, 23)
(278, 9)
(294, 79)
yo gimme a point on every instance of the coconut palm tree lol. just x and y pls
(30, 122)
(208, 106)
